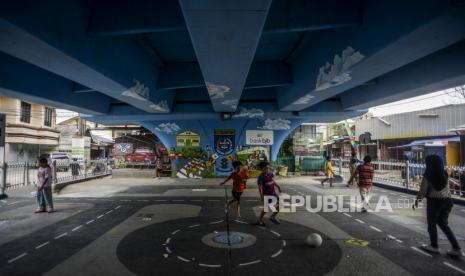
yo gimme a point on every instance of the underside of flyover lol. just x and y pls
(182, 65)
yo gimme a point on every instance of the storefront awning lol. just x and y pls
(99, 140)
(429, 143)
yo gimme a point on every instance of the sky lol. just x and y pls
(423, 102)
(426, 101)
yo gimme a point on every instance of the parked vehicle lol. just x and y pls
(144, 156)
(61, 160)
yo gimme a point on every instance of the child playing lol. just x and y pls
(329, 172)
(44, 187)
(239, 177)
(266, 187)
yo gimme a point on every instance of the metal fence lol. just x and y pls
(18, 174)
(405, 174)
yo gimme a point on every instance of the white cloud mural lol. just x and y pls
(338, 72)
(217, 91)
(304, 100)
(139, 91)
(232, 103)
(276, 124)
(168, 128)
(162, 106)
(249, 113)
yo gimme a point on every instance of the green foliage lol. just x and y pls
(286, 148)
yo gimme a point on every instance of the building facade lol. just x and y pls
(30, 129)
(413, 135)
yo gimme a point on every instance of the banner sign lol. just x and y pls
(187, 139)
(225, 144)
(2, 129)
(224, 141)
(121, 149)
(259, 137)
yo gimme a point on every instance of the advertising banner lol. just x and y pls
(259, 137)
(225, 144)
(121, 149)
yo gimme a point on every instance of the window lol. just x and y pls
(25, 114)
(48, 116)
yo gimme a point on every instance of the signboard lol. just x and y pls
(2, 129)
(187, 139)
(81, 148)
(259, 137)
(225, 143)
(121, 149)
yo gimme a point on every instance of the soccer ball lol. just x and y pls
(314, 240)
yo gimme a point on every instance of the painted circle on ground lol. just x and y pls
(236, 240)
(176, 248)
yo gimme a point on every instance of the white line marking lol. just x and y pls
(17, 258)
(463, 210)
(276, 233)
(100, 216)
(175, 231)
(167, 240)
(250, 263)
(199, 190)
(117, 207)
(277, 253)
(454, 267)
(360, 221)
(168, 250)
(284, 243)
(106, 213)
(374, 228)
(42, 245)
(76, 228)
(193, 226)
(209, 265)
(421, 251)
(347, 215)
(399, 241)
(60, 236)
(240, 221)
(216, 222)
(90, 221)
(183, 259)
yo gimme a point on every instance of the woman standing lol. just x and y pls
(435, 188)
(44, 187)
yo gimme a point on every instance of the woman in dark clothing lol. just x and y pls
(435, 188)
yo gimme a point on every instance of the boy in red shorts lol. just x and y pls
(239, 177)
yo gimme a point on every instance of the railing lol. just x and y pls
(18, 174)
(404, 174)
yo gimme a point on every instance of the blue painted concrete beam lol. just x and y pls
(19, 79)
(340, 60)
(441, 70)
(327, 111)
(225, 36)
(117, 68)
(154, 16)
(189, 75)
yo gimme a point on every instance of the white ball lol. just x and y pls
(314, 240)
